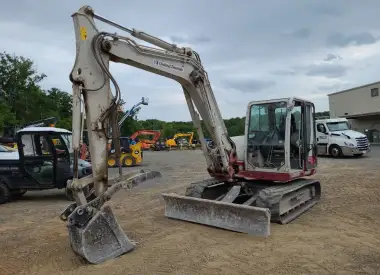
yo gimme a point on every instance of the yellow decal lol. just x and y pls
(83, 33)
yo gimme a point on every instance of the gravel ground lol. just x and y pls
(340, 235)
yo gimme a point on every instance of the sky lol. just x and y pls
(252, 50)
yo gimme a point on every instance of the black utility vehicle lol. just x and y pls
(43, 160)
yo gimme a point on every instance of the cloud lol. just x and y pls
(329, 10)
(249, 85)
(303, 48)
(331, 87)
(341, 40)
(326, 70)
(331, 57)
(284, 72)
(190, 40)
(301, 33)
(322, 69)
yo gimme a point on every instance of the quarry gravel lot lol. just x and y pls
(340, 235)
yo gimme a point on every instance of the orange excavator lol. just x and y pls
(146, 143)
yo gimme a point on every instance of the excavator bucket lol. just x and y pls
(235, 217)
(94, 231)
(101, 239)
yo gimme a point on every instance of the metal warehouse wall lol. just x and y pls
(356, 101)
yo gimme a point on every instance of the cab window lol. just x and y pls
(321, 128)
(259, 118)
(35, 145)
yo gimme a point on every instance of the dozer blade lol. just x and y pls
(99, 239)
(226, 215)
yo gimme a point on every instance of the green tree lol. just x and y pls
(6, 115)
(19, 82)
(22, 98)
(62, 103)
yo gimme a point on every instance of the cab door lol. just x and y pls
(37, 159)
(322, 139)
(308, 154)
(62, 159)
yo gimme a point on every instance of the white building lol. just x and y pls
(361, 106)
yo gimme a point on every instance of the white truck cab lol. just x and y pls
(335, 138)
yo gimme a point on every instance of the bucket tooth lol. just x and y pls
(235, 217)
(97, 238)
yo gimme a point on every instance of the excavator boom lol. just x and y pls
(94, 231)
(173, 141)
(91, 74)
(156, 134)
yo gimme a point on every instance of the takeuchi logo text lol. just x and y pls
(167, 65)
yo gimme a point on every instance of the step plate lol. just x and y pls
(235, 217)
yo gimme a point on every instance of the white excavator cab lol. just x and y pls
(280, 139)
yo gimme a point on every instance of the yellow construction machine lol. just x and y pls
(255, 178)
(131, 153)
(179, 142)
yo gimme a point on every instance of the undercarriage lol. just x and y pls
(246, 207)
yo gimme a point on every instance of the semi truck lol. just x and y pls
(335, 138)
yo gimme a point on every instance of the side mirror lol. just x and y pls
(350, 126)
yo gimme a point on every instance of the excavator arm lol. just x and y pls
(91, 77)
(94, 232)
(156, 134)
(190, 135)
(172, 141)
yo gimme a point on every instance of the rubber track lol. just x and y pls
(270, 198)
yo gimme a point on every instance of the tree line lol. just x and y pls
(23, 100)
